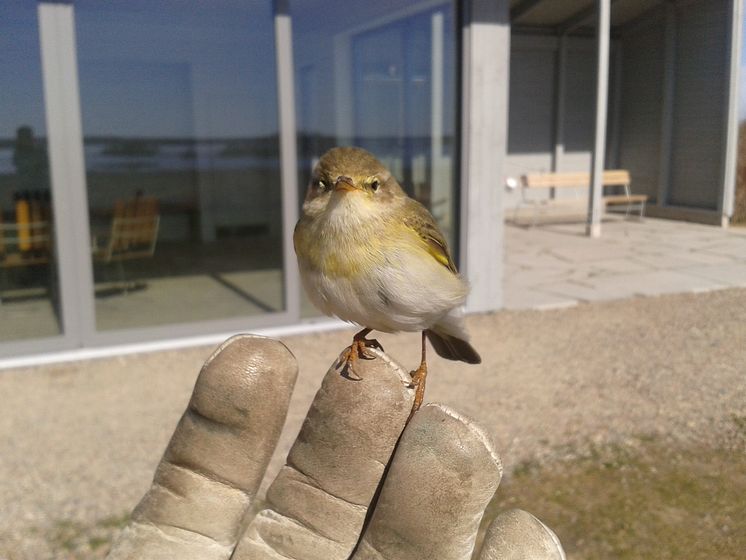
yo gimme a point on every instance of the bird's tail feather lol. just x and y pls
(453, 348)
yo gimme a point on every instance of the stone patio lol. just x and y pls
(556, 265)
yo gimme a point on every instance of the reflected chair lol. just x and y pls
(132, 235)
(25, 244)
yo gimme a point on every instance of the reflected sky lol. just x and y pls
(173, 68)
(20, 67)
(139, 61)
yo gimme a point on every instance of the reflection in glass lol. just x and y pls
(380, 75)
(180, 128)
(28, 285)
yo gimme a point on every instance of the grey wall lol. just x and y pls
(682, 155)
(672, 144)
(697, 141)
(532, 110)
(641, 116)
(580, 103)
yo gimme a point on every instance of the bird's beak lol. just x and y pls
(344, 183)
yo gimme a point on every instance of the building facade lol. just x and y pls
(154, 155)
(672, 98)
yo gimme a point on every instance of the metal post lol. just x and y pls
(288, 153)
(486, 63)
(593, 228)
(727, 200)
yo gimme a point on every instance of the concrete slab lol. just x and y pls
(618, 266)
(648, 258)
(661, 260)
(735, 248)
(529, 297)
(653, 283)
(733, 274)
(586, 291)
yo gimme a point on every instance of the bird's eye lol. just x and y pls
(375, 185)
(321, 185)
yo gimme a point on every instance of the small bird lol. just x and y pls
(369, 254)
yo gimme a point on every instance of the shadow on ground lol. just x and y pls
(643, 498)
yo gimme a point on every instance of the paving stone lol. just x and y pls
(559, 263)
(733, 274)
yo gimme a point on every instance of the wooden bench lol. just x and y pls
(24, 244)
(581, 181)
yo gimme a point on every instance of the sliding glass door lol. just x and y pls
(153, 154)
(180, 130)
(29, 292)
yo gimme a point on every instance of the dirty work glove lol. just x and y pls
(431, 500)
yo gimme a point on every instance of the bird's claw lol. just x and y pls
(364, 344)
(357, 350)
(345, 362)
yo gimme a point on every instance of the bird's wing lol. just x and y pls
(422, 222)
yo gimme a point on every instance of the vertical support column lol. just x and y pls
(441, 201)
(288, 153)
(67, 168)
(486, 63)
(667, 105)
(595, 209)
(730, 157)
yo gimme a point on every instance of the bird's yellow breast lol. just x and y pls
(352, 251)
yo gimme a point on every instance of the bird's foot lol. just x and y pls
(419, 377)
(355, 351)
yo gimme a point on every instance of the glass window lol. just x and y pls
(179, 109)
(381, 75)
(29, 307)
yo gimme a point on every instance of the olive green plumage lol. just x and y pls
(371, 255)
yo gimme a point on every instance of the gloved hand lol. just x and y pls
(430, 499)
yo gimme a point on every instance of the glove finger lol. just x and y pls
(318, 502)
(518, 535)
(214, 463)
(442, 477)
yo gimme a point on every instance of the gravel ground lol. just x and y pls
(79, 441)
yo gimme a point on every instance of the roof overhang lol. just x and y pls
(562, 17)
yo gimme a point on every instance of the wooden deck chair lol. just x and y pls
(133, 233)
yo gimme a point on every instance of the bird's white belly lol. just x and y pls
(405, 292)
